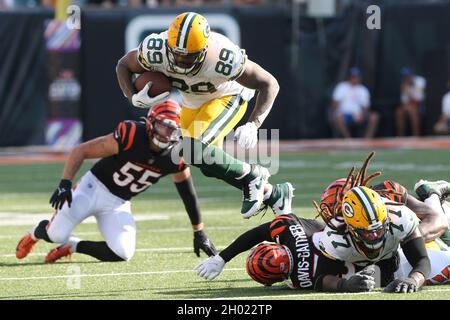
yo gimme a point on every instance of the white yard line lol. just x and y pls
(306, 295)
(125, 274)
(24, 219)
(180, 249)
(159, 230)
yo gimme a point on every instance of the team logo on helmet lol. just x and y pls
(368, 218)
(269, 263)
(348, 210)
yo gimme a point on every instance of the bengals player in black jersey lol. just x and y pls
(284, 249)
(133, 158)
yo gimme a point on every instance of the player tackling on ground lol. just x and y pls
(216, 80)
(133, 158)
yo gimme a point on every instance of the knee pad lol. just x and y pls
(123, 252)
(57, 235)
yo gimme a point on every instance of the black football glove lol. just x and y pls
(402, 285)
(62, 194)
(201, 241)
(362, 281)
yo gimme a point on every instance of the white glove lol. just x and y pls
(210, 268)
(247, 135)
(143, 100)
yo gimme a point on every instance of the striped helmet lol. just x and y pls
(366, 216)
(164, 120)
(269, 263)
(331, 194)
(187, 42)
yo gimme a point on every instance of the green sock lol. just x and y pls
(213, 161)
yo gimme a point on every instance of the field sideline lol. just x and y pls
(162, 267)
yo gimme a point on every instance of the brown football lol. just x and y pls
(160, 82)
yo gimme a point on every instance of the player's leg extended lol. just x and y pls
(208, 126)
(216, 119)
(59, 228)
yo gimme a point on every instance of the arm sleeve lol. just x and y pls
(326, 266)
(416, 254)
(246, 241)
(187, 192)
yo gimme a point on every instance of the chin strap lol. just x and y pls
(162, 145)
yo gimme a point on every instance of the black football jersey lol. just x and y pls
(296, 234)
(135, 167)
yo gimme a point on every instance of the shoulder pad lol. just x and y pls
(229, 59)
(151, 51)
(281, 223)
(125, 133)
(334, 245)
(403, 221)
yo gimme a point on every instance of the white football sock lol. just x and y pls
(73, 242)
(434, 202)
(246, 168)
(268, 193)
(32, 233)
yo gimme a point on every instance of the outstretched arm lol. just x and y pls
(212, 267)
(101, 147)
(246, 241)
(186, 190)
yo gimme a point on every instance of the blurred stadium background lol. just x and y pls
(58, 87)
(59, 84)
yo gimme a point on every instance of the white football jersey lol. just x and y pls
(224, 62)
(337, 246)
(440, 264)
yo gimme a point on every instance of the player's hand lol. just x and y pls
(247, 135)
(201, 241)
(62, 194)
(402, 285)
(360, 282)
(210, 268)
(143, 100)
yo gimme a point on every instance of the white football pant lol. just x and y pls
(440, 266)
(113, 214)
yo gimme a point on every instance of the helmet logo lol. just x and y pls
(348, 210)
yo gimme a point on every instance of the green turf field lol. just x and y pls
(162, 267)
